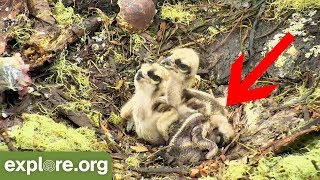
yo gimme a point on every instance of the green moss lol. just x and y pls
(3, 147)
(67, 73)
(40, 133)
(118, 57)
(22, 31)
(65, 16)
(133, 161)
(116, 120)
(137, 42)
(177, 13)
(302, 164)
(236, 170)
(297, 5)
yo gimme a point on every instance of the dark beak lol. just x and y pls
(139, 76)
(166, 62)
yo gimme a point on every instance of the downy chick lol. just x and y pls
(183, 65)
(145, 108)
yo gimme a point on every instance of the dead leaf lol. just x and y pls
(139, 148)
(162, 29)
(119, 84)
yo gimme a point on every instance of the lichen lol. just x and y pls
(177, 13)
(286, 60)
(116, 120)
(40, 133)
(22, 31)
(252, 112)
(137, 42)
(119, 57)
(133, 161)
(314, 51)
(66, 73)
(65, 16)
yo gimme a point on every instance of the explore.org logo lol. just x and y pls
(55, 165)
(28, 166)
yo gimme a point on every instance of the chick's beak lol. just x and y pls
(139, 76)
(166, 62)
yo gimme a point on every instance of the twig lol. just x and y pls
(94, 64)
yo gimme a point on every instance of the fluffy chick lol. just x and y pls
(145, 108)
(183, 65)
(182, 148)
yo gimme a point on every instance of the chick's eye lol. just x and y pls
(154, 76)
(183, 67)
(177, 62)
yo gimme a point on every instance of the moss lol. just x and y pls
(22, 31)
(67, 73)
(137, 42)
(297, 5)
(133, 161)
(3, 147)
(65, 16)
(118, 57)
(315, 96)
(236, 170)
(177, 13)
(302, 164)
(40, 133)
(116, 120)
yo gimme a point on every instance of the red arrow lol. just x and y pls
(239, 91)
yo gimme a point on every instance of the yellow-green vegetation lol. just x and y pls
(302, 164)
(133, 161)
(85, 107)
(236, 170)
(315, 96)
(297, 5)
(314, 51)
(290, 54)
(23, 30)
(116, 120)
(40, 133)
(118, 57)
(213, 31)
(67, 73)
(177, 13)
(137, 42)
(3, 147)
(66, 16)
